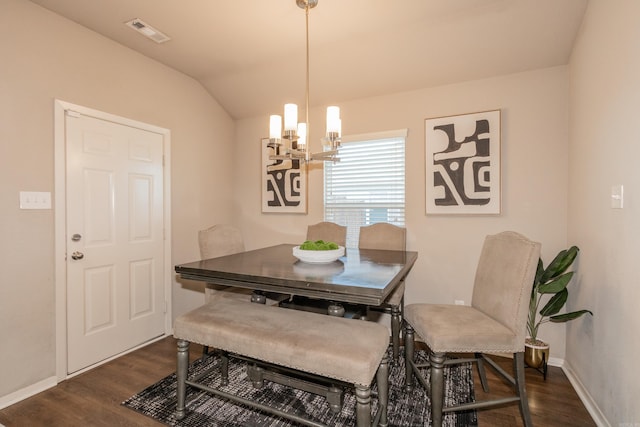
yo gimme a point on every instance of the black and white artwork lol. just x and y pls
(284, 183)
(463, 164)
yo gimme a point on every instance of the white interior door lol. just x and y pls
(115, 232)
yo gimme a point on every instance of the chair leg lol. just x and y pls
(408, 356)
(518, 368)
(481, 372)
(395, 331)
(437, 387)
(382, 380)
(182, 366)
(402, 310)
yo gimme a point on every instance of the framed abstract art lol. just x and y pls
(284, 183)
(463, 164)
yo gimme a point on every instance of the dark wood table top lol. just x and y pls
(361, 276)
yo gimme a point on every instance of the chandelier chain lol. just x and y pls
(306, 12)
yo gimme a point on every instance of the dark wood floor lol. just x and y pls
(93, 398)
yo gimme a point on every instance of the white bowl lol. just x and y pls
(318, 257)
(318, 270)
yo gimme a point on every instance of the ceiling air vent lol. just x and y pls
(147, 30)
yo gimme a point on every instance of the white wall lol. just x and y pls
(55, 58)
(43, 57)
(604, 151)
(534, 188)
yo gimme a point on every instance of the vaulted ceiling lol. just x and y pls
(250, 55)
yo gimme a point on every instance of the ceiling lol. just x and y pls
(250, 55)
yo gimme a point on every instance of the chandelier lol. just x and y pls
(292, 142)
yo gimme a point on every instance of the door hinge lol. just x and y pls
(72, 113)
(166, 306)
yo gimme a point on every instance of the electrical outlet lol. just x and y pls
(35, 200)
(458, 302)
(617, 197)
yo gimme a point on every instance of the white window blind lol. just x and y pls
(367, 185)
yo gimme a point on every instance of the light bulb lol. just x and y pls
(290, 117)
(302, 135)
(333, 120)
(275, 126)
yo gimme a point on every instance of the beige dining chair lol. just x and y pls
(391, 237)
(383, 235)
(329, 232)
(495, 322)
(220, 240)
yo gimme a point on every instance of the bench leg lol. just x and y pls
(256, 375)
(363, 406)
(205, 352)
(334, 397)
(224, 368)
(382, 378)
(182, 366)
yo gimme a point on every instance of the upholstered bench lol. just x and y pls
(349, 351)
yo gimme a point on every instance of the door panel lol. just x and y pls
(99, 289)
(115, 207)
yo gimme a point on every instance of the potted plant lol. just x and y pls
(552, 280)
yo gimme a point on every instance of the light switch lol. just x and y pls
(35, 200)
(617, 197)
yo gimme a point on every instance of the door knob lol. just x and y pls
(77, 255)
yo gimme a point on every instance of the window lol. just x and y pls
(367, 185)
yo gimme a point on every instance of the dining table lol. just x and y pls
(360, 276)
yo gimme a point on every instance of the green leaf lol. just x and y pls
(318, 245)
(552, 280)
(539, 273)
(560, 318)
(560, 263)
(556, 285)
(555, 304)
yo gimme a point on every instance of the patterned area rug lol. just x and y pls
(405, 409)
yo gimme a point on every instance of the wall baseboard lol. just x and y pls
(28, 391)
(585, 397)
(50, 382)
(554, 361)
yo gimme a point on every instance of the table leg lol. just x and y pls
(258, 297)
(335, 309)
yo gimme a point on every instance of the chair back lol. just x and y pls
(504, 279)
(383, 235)
(220, 240)
(329, 232)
